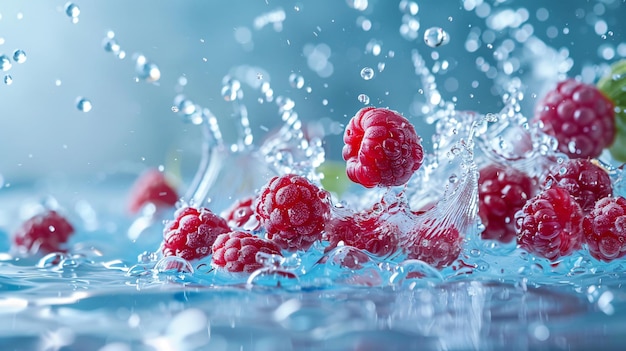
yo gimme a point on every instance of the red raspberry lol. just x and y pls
(294, 211)
(192, 233)
(435, 244)
(605, 229)
(381, 148)
(579, 116)
(550, 224)
(584, 180)
(45, 233)
(502, 191)
(365, 231)
(151, 187)
(241, 214)
(236, 251)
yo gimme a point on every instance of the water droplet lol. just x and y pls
(296, 81)
(230, 89)
(72, 10)
(364, 99)
(8, 80)
(57, 82)
(83, 104)
(111, 45)
(409, 7)
(5, 63)
(381, 66)
(19, 56)
(147, 70)
(367, 73)
(436, 36)
(360, 5)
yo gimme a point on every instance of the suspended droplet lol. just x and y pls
(364, 99)
(5, 63)
(72, 10)
(83, 104)
(367, 73)
(19, 56)
(436, 36)
(296, 81)
(8, 80)
(146, 70)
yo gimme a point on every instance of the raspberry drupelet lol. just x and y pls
(439, 245)
(151, 187)
(604, 229)
(502, 191)
(579, 116)
(550, 224)
(236, 251)
(381, 148)
(43, 233)
(293, 211)
(192, 233)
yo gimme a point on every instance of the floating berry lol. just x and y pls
(192, 233)
(550, 224)
(613, 85)
(579, 116)
(44, 233)
(236, 251)
(381, 148)
(605, 229)
(502, 191)
(585, 181)
(241, 214)
(151, 187)
(365, 231)
(293, 211)
(436, 244)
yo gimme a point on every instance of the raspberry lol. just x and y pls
(236, 251)
(365, 231)
(584, 180)
(45, 233)
(502, 191)
(293, 211)
(381, 148)
(605, 229)
(579, 116)
(241, 214)
(192, 233)
(435, 244)
(151, 187)
(550, 224)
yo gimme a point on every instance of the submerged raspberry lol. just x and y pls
(579, 116)
(365, 231)
(605, 229)
(436, 244)
(236, 251)
(550, 224)
(584, 180)
(502, 191)
(44, 233)
(192, 233)
(381, 148)
(151, 187)
(293, 211)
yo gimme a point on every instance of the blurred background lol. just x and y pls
(310, 51)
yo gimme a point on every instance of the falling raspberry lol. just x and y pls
(502, 191)
(365, 231)
(579, 116)
(584, 180)
(293, 211)
(381, 148)
(151, 187)
(605, 229)
(550, 224)
(44, 233)
(236, 251)
(437, 244)
(192, 233)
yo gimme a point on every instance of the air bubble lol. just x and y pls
(409, 7)
(72, 11)
(8, 80)
(83, 104)
(364, 99)
(146, 70)
(5, 63)
(296, 81)
(367, 73)
(19, 56)
(435, 37)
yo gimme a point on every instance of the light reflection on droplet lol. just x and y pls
(83, 104)
(73, 11)
(436, 36)
(364, 99)
(19, 56)
(367, 73)
(5, 63)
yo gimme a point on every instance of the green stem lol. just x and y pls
(613, 85)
